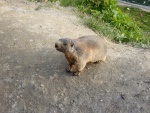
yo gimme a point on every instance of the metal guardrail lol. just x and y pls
(145, 8)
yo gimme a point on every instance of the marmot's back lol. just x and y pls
(93, 48)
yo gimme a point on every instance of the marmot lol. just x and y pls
(82, 50)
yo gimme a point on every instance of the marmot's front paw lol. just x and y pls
(68, 70)
(76, 73)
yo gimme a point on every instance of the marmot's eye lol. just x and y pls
(71, 45)
(65, 44)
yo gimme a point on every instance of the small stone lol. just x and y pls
(114, 48)
(55, 98)
(65, 101)
(137, 95)
(18, 67)
(10, 96)
(122, 75)
(6, 67)
(42, 85)
(8, 79)
(31, 40)
(18, 97)
(101, 100)
(14, 105)
(61, 106)
(147, 81)
(1, 32)
(122, 96)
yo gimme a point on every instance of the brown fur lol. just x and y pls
(82, 50)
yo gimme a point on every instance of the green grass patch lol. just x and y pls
(141, 17)
(121, 24)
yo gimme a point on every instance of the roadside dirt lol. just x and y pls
(32, 72)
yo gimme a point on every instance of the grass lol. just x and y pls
(136, 33)
(102, 27)
(142, 19)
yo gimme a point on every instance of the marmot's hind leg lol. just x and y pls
(102, 60)
(70, 69)
(96, 62)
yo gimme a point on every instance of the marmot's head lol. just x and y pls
(64, 45)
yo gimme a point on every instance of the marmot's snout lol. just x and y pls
(58, 47)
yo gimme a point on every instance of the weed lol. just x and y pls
(104, 16)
